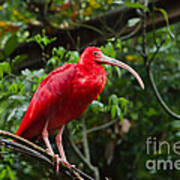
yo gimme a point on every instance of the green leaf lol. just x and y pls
(11, 44)
(136, 5)
(113, 99)
(73, 56)
(3, 174)
(13, 88)
(118, 71)
(124, 103)
(10, 173)
(54, 61)
(45, 38)
(97, 106)
(4, 68)
(109, 50)
(165, 14)
(42, 40)
(119, 112)
(132, 22)
(113, 111)
(60, 52)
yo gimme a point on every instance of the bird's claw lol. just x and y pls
(49, 152)
(56, 160)
(66, 163)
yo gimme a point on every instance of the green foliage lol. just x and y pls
(10, 45)
(165, 14)
(42, 39)
(121, 100)
(109, 50)
(4, 68)
(136, 5)
(118, 106)
(60, 55)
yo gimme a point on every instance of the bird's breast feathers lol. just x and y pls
(90, 81)
(88, 85)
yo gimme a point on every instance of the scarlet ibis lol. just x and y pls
(65, 94)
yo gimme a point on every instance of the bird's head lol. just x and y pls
(95, 55)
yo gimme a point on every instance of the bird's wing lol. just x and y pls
(52, 90)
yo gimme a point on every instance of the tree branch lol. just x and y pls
(85, 141)
(87, 152)
(26, 147)
(83, 158)
(158, 96)
(103, 126)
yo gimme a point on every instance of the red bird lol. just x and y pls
(65, 94)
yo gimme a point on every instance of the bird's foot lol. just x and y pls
(66, 163)
(49, 152)
(56, 160)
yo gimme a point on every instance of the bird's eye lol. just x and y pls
(95, 53)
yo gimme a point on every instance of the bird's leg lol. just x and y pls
(60, 147)
(45, 135)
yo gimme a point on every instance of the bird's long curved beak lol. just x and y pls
(111, 61)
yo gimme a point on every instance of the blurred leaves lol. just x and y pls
(138, 113)
(134, 58)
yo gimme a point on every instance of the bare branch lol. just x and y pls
(82, 157)
(26, 147)
(103, 126)
(158, 96)
(87, 152)
(156, 52)
(85, 140)
(78, 152)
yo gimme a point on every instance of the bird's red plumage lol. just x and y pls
(62, 96)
